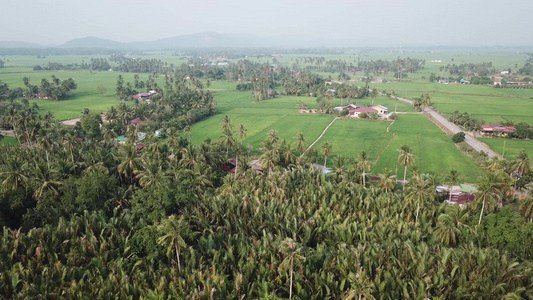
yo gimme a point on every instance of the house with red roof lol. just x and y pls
(496, 129)
(354, 112)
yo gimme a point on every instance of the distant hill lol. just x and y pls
(208, 40)
(92, 42)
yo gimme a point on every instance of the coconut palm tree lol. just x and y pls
(45, 180)
(451, 179)
(420, 191)
(300, 143)
(363, 163)
(269, 160)
(387, 181)
(406, 159)
(521, 166)
(291, 252)
(13, 173)
(242, 132)
(526, 209)
(488, 193)
(326, 150)
(172, 231)
(361, 286)
(226, 124)
(130, 161)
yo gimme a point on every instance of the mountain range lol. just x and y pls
(205, 40)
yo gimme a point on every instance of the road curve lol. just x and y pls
(435, 116)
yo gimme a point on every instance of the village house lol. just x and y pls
(457, 194)
(496, 129)
(382, 110)
(144, 96)
(354, 110)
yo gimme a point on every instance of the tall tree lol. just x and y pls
(420, 191)
(406, 159)
(292, 255)
(300, 143)
(326, 150)
(171, 232)
(242, 132)
(488, 193)
(363, 163)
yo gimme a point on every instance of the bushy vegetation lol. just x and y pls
(81, 215)
(465, 120)
(56, 89)
(458, 137)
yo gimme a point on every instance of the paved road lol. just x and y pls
(469, 137)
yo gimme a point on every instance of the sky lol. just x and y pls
(399, 22)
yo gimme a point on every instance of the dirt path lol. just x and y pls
(71, 122)
(386, 147)
(320, 136)
(10, 133)
(390, 125)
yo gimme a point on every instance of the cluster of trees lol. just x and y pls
(180, 102)
(8, 94)
(55, 89)
(399, 67)
(91, 218)
(25, 121)
(523, 130)
(527, 69)
(465, 120)
(53, 66)
(202, 70)
(2, 63)
(138, 65)
(100, 64)
(124, 89)
(470, 69)
(422, 102)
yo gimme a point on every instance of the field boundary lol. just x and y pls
(320, 136)
(386, 147)
(466, 94)
(390, 125)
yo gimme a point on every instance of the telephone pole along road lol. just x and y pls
(435, 116)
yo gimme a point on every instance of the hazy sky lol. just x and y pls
(403, 22)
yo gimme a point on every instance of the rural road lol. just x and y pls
(435, 116)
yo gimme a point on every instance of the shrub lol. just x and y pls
(363, 115)
(393, 116)
(458, 137)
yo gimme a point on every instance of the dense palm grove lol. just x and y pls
(84, 217)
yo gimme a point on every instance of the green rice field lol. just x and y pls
(512, 146)
(434, 152)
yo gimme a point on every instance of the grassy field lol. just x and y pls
(85, 96)
(512, 147)
(7, 140)
(259, 118)
(434, 152)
